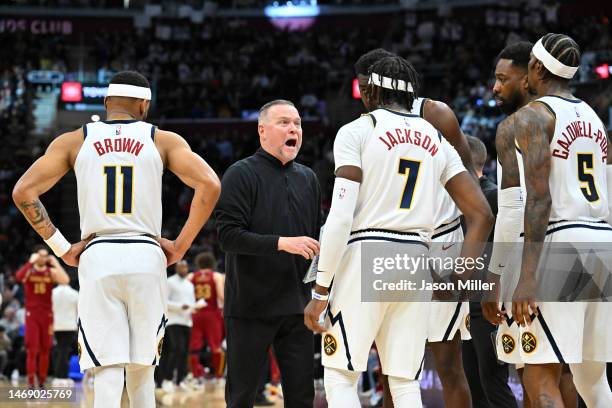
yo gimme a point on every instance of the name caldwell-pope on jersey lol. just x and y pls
(404, 284)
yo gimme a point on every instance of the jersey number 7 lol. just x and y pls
(410, 169)
(111, 189)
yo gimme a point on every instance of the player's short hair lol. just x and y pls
(205, 260)
(264, 109)
(397, 68)
(563, 48)
(364, 62)
(518, 52)
(478, 151)
(130, 78)
(38, 247)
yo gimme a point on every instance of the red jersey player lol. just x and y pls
(38, 276)
(208, 321)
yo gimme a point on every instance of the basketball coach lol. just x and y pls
(268, 216)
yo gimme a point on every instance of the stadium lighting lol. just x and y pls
(290, 10)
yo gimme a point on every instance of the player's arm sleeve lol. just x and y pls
(234, 212)
(453, 166)
(508, 226)
(347, 152)
(21, 273)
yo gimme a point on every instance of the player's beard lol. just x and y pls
(511, 105)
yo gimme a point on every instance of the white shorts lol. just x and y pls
(563, 332)
(122, 302)
(448, 317)
(399, 329)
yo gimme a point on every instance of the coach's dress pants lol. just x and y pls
(175, 353)
(488, 380)
(247, 343)
(66, 341)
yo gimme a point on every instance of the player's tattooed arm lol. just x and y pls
(42, 176)
(442, 117)
(533, 128)
(506, 153)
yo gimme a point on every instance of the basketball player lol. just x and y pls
(369, 207)
(122, 259)
(567, 201)
(38, 276)
(207, 321)
(447, 325)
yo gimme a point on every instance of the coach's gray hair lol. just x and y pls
(478, 150)
(264, 109)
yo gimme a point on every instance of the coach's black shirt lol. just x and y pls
(262, 200)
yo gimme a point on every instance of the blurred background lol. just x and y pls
(212, 64)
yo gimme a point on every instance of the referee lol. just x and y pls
(267, 217)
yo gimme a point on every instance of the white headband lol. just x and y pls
(551, 63)
(131, 91)
(386, 82)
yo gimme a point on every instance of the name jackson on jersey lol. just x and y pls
(403, 136)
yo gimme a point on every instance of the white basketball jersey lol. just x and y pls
(405, 163)
(578, 150)
(447, 210)
(119, 179)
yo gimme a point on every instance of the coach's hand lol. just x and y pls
(304, 246)
(173, 253)
(523, 302)
(74, 253)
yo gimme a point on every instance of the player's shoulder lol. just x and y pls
(532, 113)
(365, 122)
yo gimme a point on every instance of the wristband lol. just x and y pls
(58, 244)
(319, 296)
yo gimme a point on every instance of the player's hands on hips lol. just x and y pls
(524, 300)
(304, 246)
(312, 313)
(173, 253)
(490, 302)
(72, 256)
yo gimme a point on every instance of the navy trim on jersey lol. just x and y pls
(407, 234)
(373, 119)
(447, 333)
(422, 110)
(439, 234)
(577, 225)
(153, 133)
(338, 318)
(565, 99)
(85, 131)
(161, 324)
(440, 136)
(547, 106)
(550, 337)
(410, 115)
(121, 241)
(416, 377)
(120, 121)
(518, 150)
(91, 354)
(380, 238)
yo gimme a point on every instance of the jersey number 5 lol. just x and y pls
(410, 169)
(111, 189)
(585, 175)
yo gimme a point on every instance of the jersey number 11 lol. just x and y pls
(111, 189)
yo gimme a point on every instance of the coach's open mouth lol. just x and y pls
(291, 143)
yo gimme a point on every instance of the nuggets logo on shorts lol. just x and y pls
(79, 350)
(528, 342)
(159, 346)
(508, 343)
(329, 344)
(467, 322)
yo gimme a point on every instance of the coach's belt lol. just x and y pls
(379, 234)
